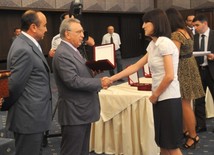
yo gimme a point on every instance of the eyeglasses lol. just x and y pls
(78, 32)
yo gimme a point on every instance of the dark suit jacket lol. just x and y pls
(29, 85)
(78, 101)
(209, 48)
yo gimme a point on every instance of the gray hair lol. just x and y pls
(66, 26)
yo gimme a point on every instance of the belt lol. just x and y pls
(185, 56)
(203, 67)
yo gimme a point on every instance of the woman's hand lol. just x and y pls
(153, 98)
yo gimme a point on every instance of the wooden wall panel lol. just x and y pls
(131, 34)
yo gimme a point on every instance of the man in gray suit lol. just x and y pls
(29, 103)
(78, 101)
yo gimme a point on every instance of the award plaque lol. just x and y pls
(104, 58)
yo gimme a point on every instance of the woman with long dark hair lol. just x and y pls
(188, 74)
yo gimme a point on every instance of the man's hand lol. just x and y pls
(90, 41)
(1, 102)
(210, 56)
(52, 52)
(106, 82)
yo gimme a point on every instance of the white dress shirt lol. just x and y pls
(156, 51)
(206, 33)
(116, 39)
(33, 40)
(55, 41)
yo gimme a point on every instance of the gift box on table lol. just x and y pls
(4, 88)
(133, 80)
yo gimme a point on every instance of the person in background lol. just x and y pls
(78, 100)
(56, 39)
(204, 41)
(188, 75)
(112, 37)
(30, 102)
(16, 32)
(162, 57)
(189, 23)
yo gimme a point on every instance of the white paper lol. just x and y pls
(133, 78)
(104, 52)
(200, 53)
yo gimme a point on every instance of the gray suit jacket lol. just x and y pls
(210, 47)
(29, 84)
(78, 101)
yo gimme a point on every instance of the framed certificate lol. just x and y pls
(104, 58)
(146, 71)
(133, 80)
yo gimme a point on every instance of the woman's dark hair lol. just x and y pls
(176, 21)
(28, 18)
(160, 22)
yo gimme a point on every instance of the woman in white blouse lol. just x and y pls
(162, 57)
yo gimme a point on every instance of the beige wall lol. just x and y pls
(109, 5)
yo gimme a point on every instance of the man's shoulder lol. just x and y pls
(212, 31)
(65, 46)
(116, 34)
(105, 35)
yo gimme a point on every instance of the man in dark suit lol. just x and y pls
(16, 32)
(204, 41)
(29, 103)
(78, 101)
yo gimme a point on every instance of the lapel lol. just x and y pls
(74, 53)
(210, 41)
(71, 51)
(196, 42)
(35, 49)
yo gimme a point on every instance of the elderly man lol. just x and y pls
(78, 102)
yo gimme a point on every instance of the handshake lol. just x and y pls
(106, 82)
